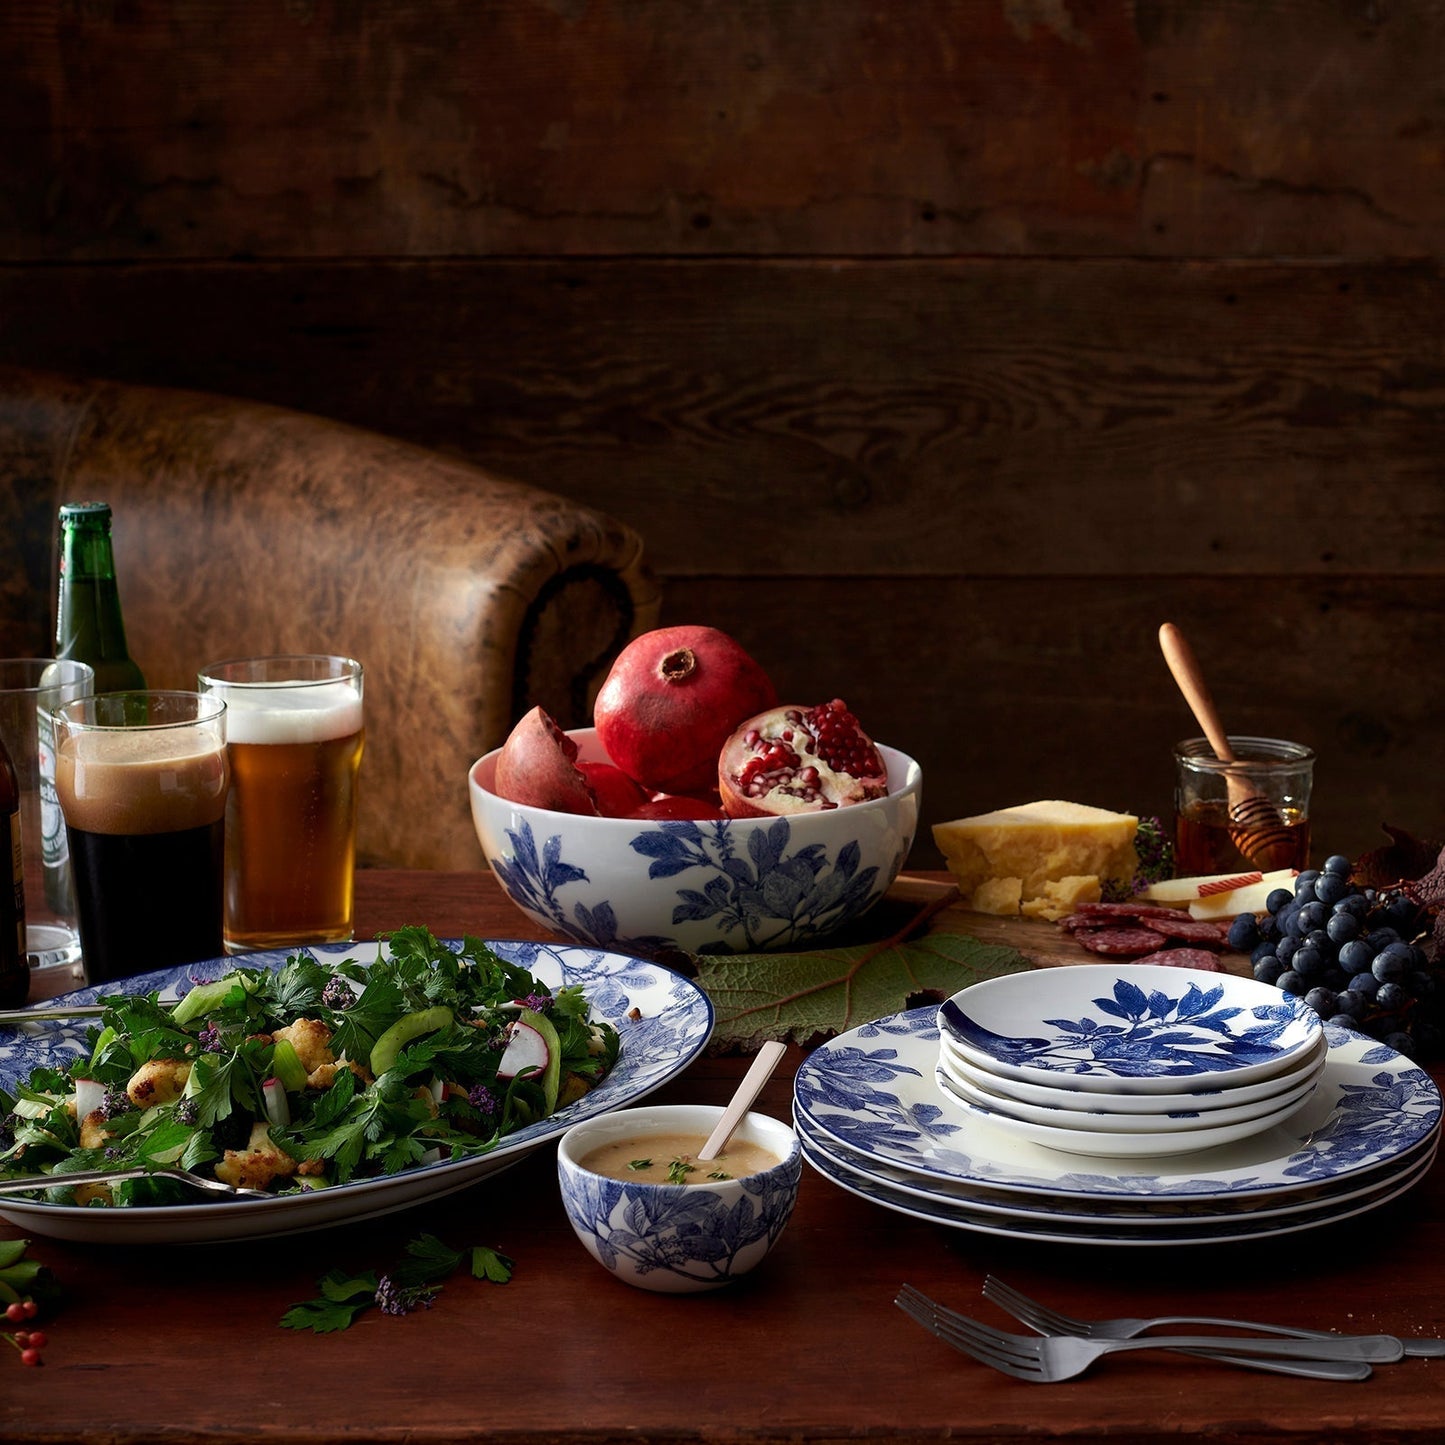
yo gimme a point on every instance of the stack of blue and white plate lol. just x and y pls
(1130, 1105)
(1163, 1062)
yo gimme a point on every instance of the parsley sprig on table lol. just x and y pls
(434, 1092)
(414, 1282)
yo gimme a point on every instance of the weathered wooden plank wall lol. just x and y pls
(940, 350)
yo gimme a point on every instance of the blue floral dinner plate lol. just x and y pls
(872, 1089)
(1107, 1231)
(1138, 1029)
(1143, 1214)
(664, 1020)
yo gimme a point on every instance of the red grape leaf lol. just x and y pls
(1404, 857)
(807, 997)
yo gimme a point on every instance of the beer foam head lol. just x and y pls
(141, 780)
(309, 713)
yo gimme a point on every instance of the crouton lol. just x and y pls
(93, 1133)
(324, 1075)
(255, 1166)
(158, 1081)
(312, 1041)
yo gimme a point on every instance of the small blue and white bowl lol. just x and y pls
(678, 1238)
(737, 885)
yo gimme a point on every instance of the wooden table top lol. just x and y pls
(182, 1344)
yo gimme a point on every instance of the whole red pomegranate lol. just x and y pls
(615, 794)
(799, 760)
(670, 701)
(537, 766)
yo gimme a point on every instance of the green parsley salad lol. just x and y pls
(309, 1075)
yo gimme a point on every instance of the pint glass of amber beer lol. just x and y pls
(142, 780)
(294, 736)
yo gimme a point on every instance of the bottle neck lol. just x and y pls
(89, 626)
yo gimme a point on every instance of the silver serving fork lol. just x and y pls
(32, 1182)
(1053, 1322)
(1049, 1358)
(39, 1013)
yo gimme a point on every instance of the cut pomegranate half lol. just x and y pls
(798, 759)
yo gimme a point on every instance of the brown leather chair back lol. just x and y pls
(244, 529)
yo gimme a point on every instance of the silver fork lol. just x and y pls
(1053, 1322)
(33, 1182)
(1048, 1358)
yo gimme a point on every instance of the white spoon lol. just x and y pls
(757, 1075)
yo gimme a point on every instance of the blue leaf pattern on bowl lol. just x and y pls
(687, 1230)
(764, 899)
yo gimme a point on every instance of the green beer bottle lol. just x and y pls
(88, 625)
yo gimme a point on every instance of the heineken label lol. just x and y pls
(54, 849)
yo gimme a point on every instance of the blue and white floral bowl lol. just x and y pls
(734, 886)
(678, 1238)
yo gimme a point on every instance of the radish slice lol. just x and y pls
(526, 1049)
(89, 1096)
(273, 1098)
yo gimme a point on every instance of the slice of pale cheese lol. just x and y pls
(1183, 891)
(1038, 843)
(1250, 898)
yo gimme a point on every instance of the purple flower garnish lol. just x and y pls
(396, 1300)
(336, 995)
(116, 1101)
(479, 1096)
(210, 1040)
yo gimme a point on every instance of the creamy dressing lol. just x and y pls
(672, 1159)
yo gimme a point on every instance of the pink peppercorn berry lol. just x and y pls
(28, 1342)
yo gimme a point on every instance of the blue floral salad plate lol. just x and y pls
(664, 1021)
(1208, 1095)
(1075, 1111)
(872, 1092)
(1102, 1144)
(1140, 1029)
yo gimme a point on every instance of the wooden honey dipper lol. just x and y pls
(1256, 826)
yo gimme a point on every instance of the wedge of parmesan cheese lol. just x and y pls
(1039, 844)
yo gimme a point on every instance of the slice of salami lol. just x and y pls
(1121, 911)
(1188, 930)
(1184, 958)
(1119, 942)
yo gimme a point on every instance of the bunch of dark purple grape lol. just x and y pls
(1355, 955)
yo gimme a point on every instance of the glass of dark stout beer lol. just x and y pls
(142, 779)
(295, 736)
(1207, 793)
